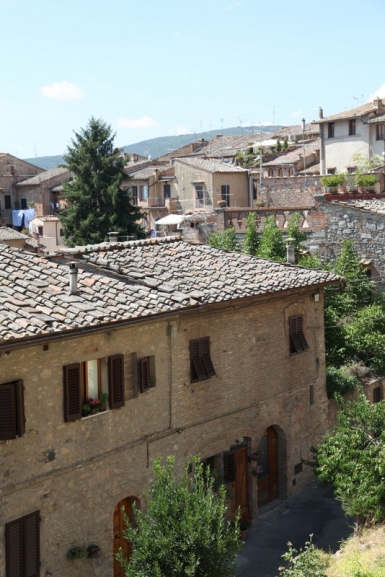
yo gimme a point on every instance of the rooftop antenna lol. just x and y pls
(274, 106)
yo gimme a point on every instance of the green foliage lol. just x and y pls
(365, 336)
(251, 240)
(278, 146)
(272, 245)
(226, 240)
(333, 180)
(366, 179)
(364, 163)
(352, 458)
(77, 552)
(285, 144)
(311, 261)
(307, 562)
(184, 532)
(294, 232)
(96, 204)
(338, 381)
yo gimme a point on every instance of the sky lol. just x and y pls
(150, 68)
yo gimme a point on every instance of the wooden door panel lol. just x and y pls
(268, 483)
(239, 486)
(119, 540)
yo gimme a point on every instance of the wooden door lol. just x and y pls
(239, 485)
(119, 540)
(267, 467)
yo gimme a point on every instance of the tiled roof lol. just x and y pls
(222, 146)
(46, 218)
(314, 169)
(44, 176)
(376, 119)
(147, 172)
(352, 113)
(131, 280)
(210, 165)
(376, 205)
(295, 131)
(7, 233)
(295, 154)
(192, 148)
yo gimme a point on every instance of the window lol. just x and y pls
(144, 192)
(298, 342)
(7, 201)
(311, 390)
(134, 194)
(229, 466)
(12, 417)
(225, 193)
(380, 131)
(40, 230)
(22, 546)
(167, 191)
(202, 367)
(331, 170)
(352, 127)
(331, 129)
(198, 196)
(146, 373)
(85, 380)
(377, 394)
(23, 204)
(61, 232)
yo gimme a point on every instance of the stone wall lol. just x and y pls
(76, 473)
(289, 191)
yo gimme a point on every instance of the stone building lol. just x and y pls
(12, 171)
(200, 352)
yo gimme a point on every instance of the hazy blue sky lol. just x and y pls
(153, 68)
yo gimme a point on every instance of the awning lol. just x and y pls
(170, 219)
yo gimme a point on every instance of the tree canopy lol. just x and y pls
(96, 203)
(184, 532)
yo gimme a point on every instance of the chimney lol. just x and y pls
(290, 251)
(321, 113)
(73, 270)
(113, 237)
(303, 124)
(378, 104)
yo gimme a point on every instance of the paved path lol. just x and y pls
(313, 510)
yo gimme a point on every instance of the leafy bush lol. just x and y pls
(333, 180)
(307, 562)
(366, 179)
(339, 381)
(226, 240)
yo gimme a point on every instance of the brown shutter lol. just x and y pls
(8, 423)
(31, 540)
(116, 381)
(205, 356)
(198, 372)
(295, 343)
(20, 413)
(300, 334)
(229, 466)
(144, 374)
(14, 548)
(72, 393)
(151, 368)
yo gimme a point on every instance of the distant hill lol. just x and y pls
(156, 147)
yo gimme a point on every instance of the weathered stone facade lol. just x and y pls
(76, 473)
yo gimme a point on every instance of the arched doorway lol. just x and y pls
(267, 467)
(119, 527)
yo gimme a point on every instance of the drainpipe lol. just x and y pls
(322, 144)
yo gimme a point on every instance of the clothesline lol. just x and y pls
(18, 215)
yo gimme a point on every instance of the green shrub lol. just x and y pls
(339, 381)
(366, 179)
(333, 180)
(307, 562)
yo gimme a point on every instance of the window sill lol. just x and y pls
(94, 414)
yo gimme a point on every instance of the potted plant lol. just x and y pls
(77, 552)
(94, 405)
(86, 409)
(244, 524)
(365, 180)
(103, 398)
(332, 181)
(93, 550)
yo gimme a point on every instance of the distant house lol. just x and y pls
(40, 192)
(204, 182)
(295, 160)
(358, 130)
(16, 239)
(13, 170)
(48, 231)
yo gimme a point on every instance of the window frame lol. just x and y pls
(352, 127)
(201, 365)
(12, 393)
(225, 194)
(380, 131)
(199, 200)
(167, 190)
(297, 340)
(23, 204)
(22, 546)
(7, 202)
(331, 129)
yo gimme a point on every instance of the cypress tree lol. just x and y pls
(96, 204)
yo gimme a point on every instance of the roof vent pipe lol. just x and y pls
(290, 250)
(73, 270)
(113, 237)
(321, 113)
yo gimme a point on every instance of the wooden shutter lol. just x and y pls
(31, 539)
(151, 367)
(198, 372)
(300, 334)
(72, 393)
(295, 343)
(205, 357)
(8, 422)
(144, 374)
(23, 546)
(116, 381)
(229, 466)
(20, 412)
(14, 548)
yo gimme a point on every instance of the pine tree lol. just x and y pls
(96, 204)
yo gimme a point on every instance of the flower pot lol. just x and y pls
(93, 550)
(341, 189)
